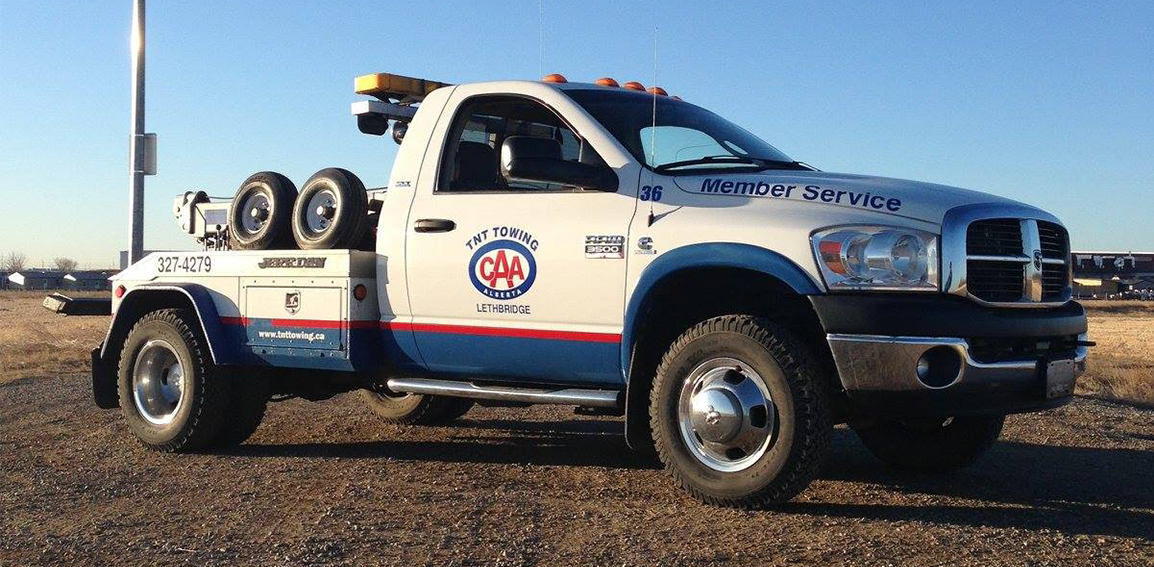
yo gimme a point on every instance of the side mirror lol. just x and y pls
(539, 159)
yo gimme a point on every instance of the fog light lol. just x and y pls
(939, 367)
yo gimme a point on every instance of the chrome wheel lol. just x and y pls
(158, 382)
(321, 209)
(726, 414)
(255, 212)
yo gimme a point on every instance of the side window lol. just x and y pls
(471, 161)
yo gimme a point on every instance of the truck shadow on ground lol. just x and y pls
(575, 443)
(1073, 490)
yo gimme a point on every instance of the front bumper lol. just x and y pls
(880, 373)
(996, 360)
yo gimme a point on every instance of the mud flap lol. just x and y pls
(103, 382)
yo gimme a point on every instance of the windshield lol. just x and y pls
(685, 138)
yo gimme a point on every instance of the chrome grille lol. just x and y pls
(1017, 261)
(1055, 246)
(994, 237)
(995, 281)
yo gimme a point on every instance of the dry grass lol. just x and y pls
(1121, 367)
(35, 342)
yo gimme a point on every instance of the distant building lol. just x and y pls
(1111, 274)
(3, 280)
(36, 279)
(89, 280)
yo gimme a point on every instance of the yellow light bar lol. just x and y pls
(385, 86)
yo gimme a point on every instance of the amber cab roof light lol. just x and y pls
(554, 78)
(634, 86)
(386, 85)
(607, 82)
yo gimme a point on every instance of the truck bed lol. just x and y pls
(294, 308)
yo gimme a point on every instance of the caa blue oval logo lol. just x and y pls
(503, 269)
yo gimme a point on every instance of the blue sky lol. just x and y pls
(1051, 103)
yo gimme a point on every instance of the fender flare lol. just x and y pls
(199, 299)
(707, 255)
(694, 256)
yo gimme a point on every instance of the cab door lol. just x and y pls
(512, 279)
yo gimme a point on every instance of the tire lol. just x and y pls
(269, 194)
(160, 344)
(932, 446)
(345, 219)
(751, 361)
(245, 408)
(415, 409)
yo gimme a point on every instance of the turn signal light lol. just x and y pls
(119, 291)
(634, 86)
(554, 78)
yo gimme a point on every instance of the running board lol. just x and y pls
(567, 396)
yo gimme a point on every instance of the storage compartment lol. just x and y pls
(291, 314)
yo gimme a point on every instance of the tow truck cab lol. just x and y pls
(632, 253)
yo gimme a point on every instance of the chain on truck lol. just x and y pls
(615, 249)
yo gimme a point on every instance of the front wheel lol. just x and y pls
(931, 445)
(738, 412)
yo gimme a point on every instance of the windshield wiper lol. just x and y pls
(731, 159)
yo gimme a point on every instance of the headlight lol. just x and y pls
(877, 258)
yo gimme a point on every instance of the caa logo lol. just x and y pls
(503, 269)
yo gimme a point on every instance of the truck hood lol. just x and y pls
(897, 197)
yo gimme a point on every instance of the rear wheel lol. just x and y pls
(414, 409)
(171, 394)
(737, 412)
(932, 445)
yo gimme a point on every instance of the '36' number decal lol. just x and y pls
(649, 193)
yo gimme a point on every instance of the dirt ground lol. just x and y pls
(327, 484)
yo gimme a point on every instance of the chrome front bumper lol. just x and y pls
(873, 368)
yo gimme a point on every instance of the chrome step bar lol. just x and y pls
(565, 396)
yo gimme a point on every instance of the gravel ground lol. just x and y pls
(326, 484)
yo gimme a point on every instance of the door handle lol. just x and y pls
(434, 225)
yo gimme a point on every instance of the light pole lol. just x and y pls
(142, 146)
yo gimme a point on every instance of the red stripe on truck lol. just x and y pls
(503, 332)
(510, 332)
(302, 323)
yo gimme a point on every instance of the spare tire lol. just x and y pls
(260, 214)
(331, 211)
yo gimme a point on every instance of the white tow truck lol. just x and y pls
(614, 249)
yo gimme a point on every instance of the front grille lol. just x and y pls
(1054, 244)
(995, 281)
(994, 237)
(1053, 241)
(1017, 261)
